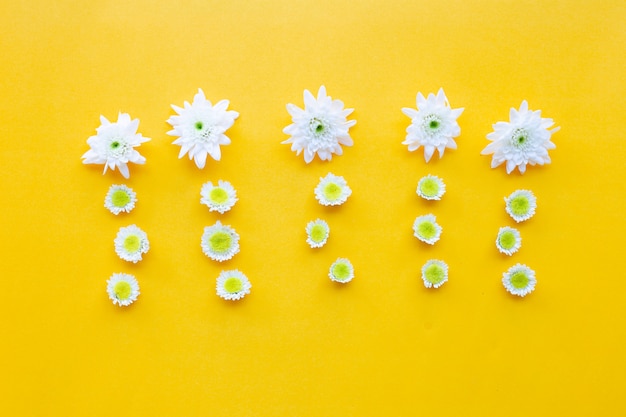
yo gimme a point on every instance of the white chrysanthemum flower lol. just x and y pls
(200, 128)
(341, 271)
(130, 243)
(114, 144)
(220, 242)
(123, 289)
(509, 240)
(525, 140)
(433, 124)
(232, 285)
(317, 232)
(426, 229)
(431, 187)
(519, 280)
(120, 199)
(321, 128)
(434, 273)
(332, 190)
(521, 205)
(221, 197)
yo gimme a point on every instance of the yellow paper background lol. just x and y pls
(299, 345)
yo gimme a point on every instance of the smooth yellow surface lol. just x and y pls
(299, 344)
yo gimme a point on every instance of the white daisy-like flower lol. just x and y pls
(130, 243)
(525, 140)
(332, 190)
(341, 271)
(232, 285)
(114, 144)
(434, 273)
(426, 229)
(221, 197)
(431, 187)
(220, 242)
(519, 280)
(433, 124)
(321, 128)
(521, 205)
(509, 240)
(200, 128)
(120, 199)
(317, 232)
(123, 289)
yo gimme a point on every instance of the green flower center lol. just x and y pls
(427, 230)
(519, 205)
(318, 233)
(317, 126)
(341, 271)
(332, 191)
(519, 138)
(120, 198)
(122, 290)
(199, 125)
(434, 273)
(432, 124)
(220, 242)
(115, 144)
(507, 240)
(233, 285)
(429, 187)
(132, 243)
(218, 195)
(519, 280)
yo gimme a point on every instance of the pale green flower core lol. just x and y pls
(332, 191)
(199, 125)
(434, 273)
(432, 124)
(132, 243)
(427, 230)
(519, 205)
(120, 198)
(220, 242)
(519, 280)
(507, 240)
(122, 290)
(218, 195)
(233, 285)
(317, 126)
(519, 137)
(341, 271)
(429, 187)
(318, 233)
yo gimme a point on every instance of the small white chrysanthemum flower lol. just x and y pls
(232, 285)
(123, 289)
(341, 271)
(120, 199)
(434, 273)
(433, 125)
(317, 232)
(130, 243)
(426, 229)
(521, 205)
(431, 187)
(220, 242)
(519, 280)
(114, 144)
(332, 190)
(509, 240)
(321, 128)
(525, 140)
(200, 128)
(221, 197)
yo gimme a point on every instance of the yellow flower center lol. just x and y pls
(220, 242)
(120, 198)
(341, 271)
(332, 191)
(218, 195)
(122, 290)
(233, 285)
(132, 243)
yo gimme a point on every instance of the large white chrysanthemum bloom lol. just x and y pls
(120, 199)
(321, 128)
(220, 242)
(123, 289)
(114, 144)
(524, 140)
(131, 243)
(200, 128)
(519, 280)
(433, 124)
(232, 285)
(221, 197)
